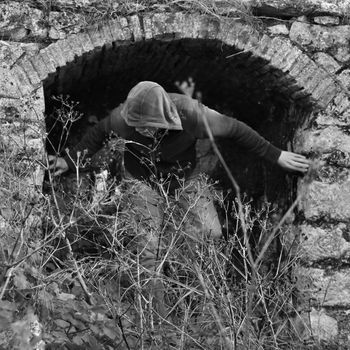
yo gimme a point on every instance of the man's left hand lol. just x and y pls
(293, 161)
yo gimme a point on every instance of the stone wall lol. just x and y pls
(299, 49)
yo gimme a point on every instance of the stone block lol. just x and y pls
(344, 78)
(321, 141)
(323, 327)
(8, 85)
(300, 33)
(23, 83)
(49, 61)
(323, 200)
(40, 66)
(326, 288)
(319, 243)
(327, 20)
(278, 29)
(30, 70)
(342, 102)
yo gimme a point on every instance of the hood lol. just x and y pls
(148, 105)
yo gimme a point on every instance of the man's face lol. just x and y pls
(153, 132)
(148, 131)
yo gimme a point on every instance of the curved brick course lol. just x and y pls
(300, 72)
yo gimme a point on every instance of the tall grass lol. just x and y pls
(84, 286)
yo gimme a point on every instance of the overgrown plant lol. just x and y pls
(79, 287)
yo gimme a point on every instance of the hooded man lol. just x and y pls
(161, 130)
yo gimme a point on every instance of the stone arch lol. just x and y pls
(292, 70)
(274, 60)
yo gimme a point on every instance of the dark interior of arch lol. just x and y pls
(230, 81)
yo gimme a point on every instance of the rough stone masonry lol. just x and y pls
(306, 44)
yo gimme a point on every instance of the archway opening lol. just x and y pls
(230, 81)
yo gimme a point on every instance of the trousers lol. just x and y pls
(162, 222)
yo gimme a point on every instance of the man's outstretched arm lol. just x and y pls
(242, 134)
(91, 142)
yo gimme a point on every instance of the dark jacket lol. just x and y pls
(174, 154)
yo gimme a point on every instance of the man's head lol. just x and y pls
(148, 108)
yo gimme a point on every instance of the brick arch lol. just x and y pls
(293, 71)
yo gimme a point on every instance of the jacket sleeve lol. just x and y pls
(91, 142)
(224, 126)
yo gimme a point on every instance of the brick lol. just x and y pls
(310, 76)
(253, 41)
(95, 36)
(30, 71)
(263, 47)
(85, 42)
(290, 59)
(273, 49)
(158, 25)
(125, 28)
(298, 66)
(279, 59)
(230, 38)
(66, 50)
(106, 33)
(327, 93)
(134, 24)
(147, 27)
(40, 66)
(76, 45)
(318, 76)
(192, 27)
(116, 30)
(55, 55)
(49, 62)
(175, 23)
(23, 83)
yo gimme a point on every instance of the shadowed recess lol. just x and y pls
(230, 81)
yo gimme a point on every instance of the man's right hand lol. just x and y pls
(57, 165)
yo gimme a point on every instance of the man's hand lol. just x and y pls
(293, 161)
(186, 87)
(57, 165)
